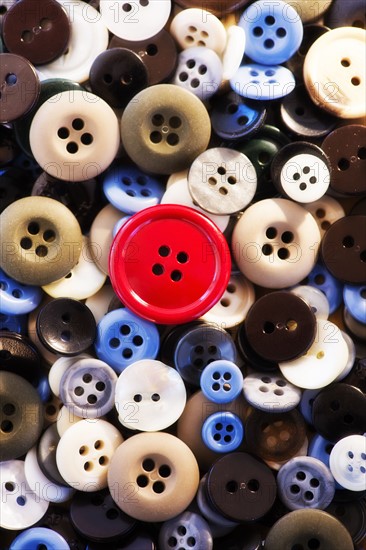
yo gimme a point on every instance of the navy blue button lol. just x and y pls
(13, 323)
(274, 31)
(320, 278)
(188, 530)
(16, 298)
(354, 298)
(222, 432)
(234, 117)
(131, 190)
(123, 338)
(221, 381)
(39, 537)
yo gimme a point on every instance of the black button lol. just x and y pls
(140, 540)
(241, 487)
(66, 326)
(255, 361)
(338, 411)
(244, 537)
(46, 454)
(357, 376)
(14, 184)
(57, 518)
(280, 326)
(8, 148)
(19, 356)
(346, 14)
(353, 517)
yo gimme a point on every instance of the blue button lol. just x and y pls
(39, 537)
(221, 381)
(274, 31)
(306, 404)
(16, 298)
(320, 278)
(43, 388)
(355, 301)
(131, 190)
(222, 432)
(321, 448)
(13, 323)
(188, 530)
(262, 82)
(123, 338)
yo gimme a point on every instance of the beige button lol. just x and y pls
(153, 476)
(164, 128)
(309, 10)
(101, 235)
(41, 240)
(335, 72)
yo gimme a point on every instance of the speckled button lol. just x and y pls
(19, 86)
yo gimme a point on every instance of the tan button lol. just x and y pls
(153, 476)
(339, 84)
(164, 128)
(41, 240)
(309, 10)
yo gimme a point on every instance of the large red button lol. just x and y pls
(169, 264)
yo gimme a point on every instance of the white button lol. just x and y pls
(234, 51)
(150, 396)
(59, 367)
(272, 393)
(99, 302)
(135, 20)
(262, 82)
(323, 362)
(347, 462)
(335, 72)
(101, 235)
(40, 484)
(305, 178)
(20, 507)
(197, 27)
(234, 304)
(315, 298)
(326, 211)
(67, 418)
(74, 140)
(275, 243)
(89, 38)
(84, 280)
(177, 176)
(84, 453)
(351, 357)
(199, 71)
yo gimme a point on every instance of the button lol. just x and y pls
(340, 87)
(17, 299)
(96, 517)
(160, 470)
(43, 240)
(241, 487)
(233, 117)
(222, 181)
(87, 388)
(15, 183)
(346, 149)
(39, 535)
(117, 75)
(121, 18)
(275, 437)
(19, 356)
(262, 82)
(19, 87)
(13, 323)
(255, 361)
(351, 356)
(297, 529)
(58, 519)
(351, 15)
(38, 33)
(79, 140)
(58, 368)
(19, 506)
(188, 530)
(234, 51)
(123, 338)
(199, 71)
(309, 11)
(353, 517)
(301, 172)
(84, 454)
(149, 396)
(348, 462)
(354, 298)
(311, 33)
(198, 27)
(221, 381)
(306, 404)
(356, 328)
(315, 299)
(217, 7)
(159, 54)
(130, 190)
(264, 251)
(303, 118)
(66, 326)
(172, 263)
(76, 61)
(101, 235)
(339, 411)
(175, 128)
(219, 525)
(322, 279)
(222, 432)
(280, 334)
(46, 454)
(274, 31)
(270, 392)
(357, 376)
(21, 416)
(344, 249)
(99, 302)
(326, 211)
(305, 482)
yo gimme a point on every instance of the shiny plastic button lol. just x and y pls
(234, 51)
(326, 211)
(46, 454)
(355, 301)
(263, 82)
(39, 535)
(101, 235)
(221, 381)
(58, 368)
(222, 432)
(315, 298)
(198, 27)
(271, 393)
(199, 71)
(186, 530)
(17, 299)
(174, 287)
(323, 280)
(348, 462)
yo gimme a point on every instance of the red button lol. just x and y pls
(169, 264)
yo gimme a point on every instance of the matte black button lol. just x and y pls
(57, 518)
(338, 411)
(241, 487)
(357, 376)
(353, 517)
(350, 14)
(343, 249)
(280, 326)
(66, 326)
(117, 75)
(46, 455)
(21, 416)
(244, 537)
(19, 356)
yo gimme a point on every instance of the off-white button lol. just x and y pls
(197, 27)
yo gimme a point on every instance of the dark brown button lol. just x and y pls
(217, 7)
(39, 31)
(158, 53)
(19, 87)
(117, 75)
(344, 249)
(241, 487)
(19, 356)
(275, 437)
(280, 326)
(346, 149)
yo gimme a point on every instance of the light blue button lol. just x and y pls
(16, 298)
(320, 278)
(39, 537)
(221, 381)
(354, 298)
(262, 82)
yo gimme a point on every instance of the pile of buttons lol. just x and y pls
(182, 275)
